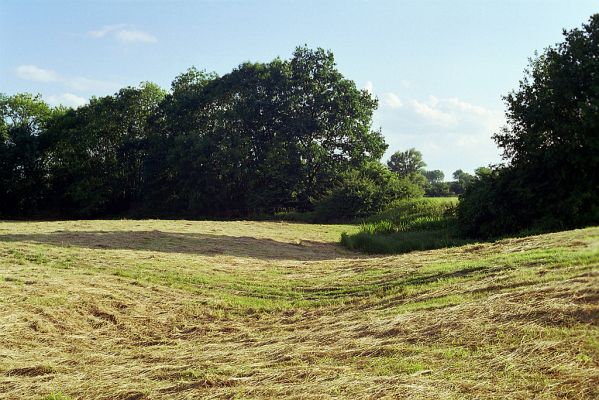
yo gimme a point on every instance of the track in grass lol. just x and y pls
(181, 309)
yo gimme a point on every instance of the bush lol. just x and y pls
(551, 142)
(489, 207)
(513, 199)
(438, 189)
(364, 192)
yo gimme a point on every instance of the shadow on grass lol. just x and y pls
(187, 243)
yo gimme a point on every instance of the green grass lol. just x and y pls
(408, 225)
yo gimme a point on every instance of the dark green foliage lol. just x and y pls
(408, 225)
(97, 152)
(23, 122)
(439, 189)
(262, 138)
(552, 144)
(364, 192)
(488, 207)
(461, 182)
(406, 163)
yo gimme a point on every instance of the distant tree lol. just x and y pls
(482, 171)
(405, 163)
(439, 189)
(434, 176)
(550, 143)
(462, 176)
(461, 181)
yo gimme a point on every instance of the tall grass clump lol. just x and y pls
(408, 225)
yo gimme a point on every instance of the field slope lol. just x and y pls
(185, 310)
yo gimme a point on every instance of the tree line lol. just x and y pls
(409, 164)
(288, 134)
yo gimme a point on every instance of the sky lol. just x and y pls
(438, 68)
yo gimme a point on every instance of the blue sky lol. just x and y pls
(439, 68)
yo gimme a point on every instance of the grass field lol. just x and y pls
(186, 310)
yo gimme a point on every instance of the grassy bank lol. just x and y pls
(408, 225)
(182, 309)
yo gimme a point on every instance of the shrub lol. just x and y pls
(551, 143)
(438, 189)
(364, 192)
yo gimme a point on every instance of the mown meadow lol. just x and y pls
(150, 309)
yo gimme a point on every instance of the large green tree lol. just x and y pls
(98, 150)
(550, 143)
(330, 120)
(406, 163)
(262, 137)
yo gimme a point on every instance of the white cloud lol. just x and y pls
(446, 112)
(105, 30)
(77, 83)
(123, 33)
(450, 132)
(67, 99)
(392, 100)
(34, 73)
(432, 114)
(369, 87)
(433, 101)
(134, 35)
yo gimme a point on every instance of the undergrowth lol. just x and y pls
(408, 225)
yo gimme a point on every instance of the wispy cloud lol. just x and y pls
(77, 83)
(123, 33)
(133, 35)
(369, 87)
(451, 133)
(392, 100)
(449, 113)
(67, 99)
(433, 114)
(34, 73)
(82, 84)
(105, 30)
